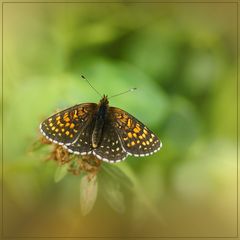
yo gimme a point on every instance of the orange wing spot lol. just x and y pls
(132, 143)
(144, 136)
(63, 130)
(72, 125)
(67, 124)
(61, 124)
(53, 128)
(58, 118)
(66, 119)
(81, 112)
(140, 137)
(118, 116)
(136, 129)
(50, 124)
(129, 122)
(147, 142)
(135, 135)
(67, 133)
(123, 120)
(58, 122)
(138, 141)
(94, 145)
(145, 131)
(130, 135)
(56, 130)
(71, 136)
(75, 114)
(143, 143)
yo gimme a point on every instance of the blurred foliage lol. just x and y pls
(182, 59)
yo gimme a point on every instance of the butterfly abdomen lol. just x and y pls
(99, 124)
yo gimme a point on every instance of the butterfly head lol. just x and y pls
(104, 100)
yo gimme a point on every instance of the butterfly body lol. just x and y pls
(100, 118)
(109, 133)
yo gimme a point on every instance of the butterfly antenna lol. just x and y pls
(130, 90)
(91, 85)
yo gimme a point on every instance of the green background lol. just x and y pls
(182, 58)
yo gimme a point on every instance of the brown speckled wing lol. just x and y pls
(64, 127)
(136, 138)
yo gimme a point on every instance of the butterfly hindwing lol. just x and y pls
(64, 127)
(136, 138)
(110, 148)
(83, 144)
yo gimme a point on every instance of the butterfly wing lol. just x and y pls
(110, 148)
(136, 138)
(64, 127)
(83, 144)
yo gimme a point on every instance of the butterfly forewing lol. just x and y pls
(136, 138)
(64, 127)
(110, 148)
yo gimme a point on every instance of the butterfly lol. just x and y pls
(108, 133)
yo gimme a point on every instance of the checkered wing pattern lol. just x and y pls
(64, 127)
(83, 144)
(110, 148)
(136, 138)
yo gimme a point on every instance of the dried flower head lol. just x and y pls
(76, 164)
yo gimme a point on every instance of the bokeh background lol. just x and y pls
(182, 58)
